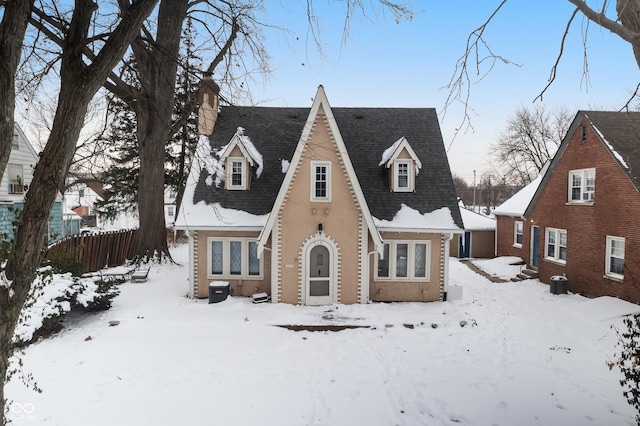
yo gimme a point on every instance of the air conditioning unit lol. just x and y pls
(16, 188)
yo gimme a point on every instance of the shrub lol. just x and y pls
(628, 361)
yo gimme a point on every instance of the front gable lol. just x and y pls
(320, 145)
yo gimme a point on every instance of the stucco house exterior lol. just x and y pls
(321, 205)
(15, 184)
(583, 217)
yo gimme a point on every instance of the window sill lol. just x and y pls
(235, 277)
(516, 245)
(579, 203)
(401, 280)
(616, 278)
(556, 261)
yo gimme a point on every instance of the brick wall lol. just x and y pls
(615, 211)
(505, 226)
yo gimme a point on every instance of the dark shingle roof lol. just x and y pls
(366, 132)
(621, 130)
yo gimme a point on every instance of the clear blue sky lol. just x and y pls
(408, 64)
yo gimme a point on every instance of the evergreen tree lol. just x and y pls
(120, 179)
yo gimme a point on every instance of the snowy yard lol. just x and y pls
(506, 354)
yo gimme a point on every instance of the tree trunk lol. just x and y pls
(12, 31)
(78, 85)
(158, 68)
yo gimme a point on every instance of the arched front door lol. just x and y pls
(319, 279)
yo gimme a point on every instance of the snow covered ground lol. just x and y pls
(523, 357)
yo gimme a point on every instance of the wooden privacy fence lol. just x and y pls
(98, 251)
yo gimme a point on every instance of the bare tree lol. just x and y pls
(478, 58)
(530, 139)
(12, 30)
(79, 82)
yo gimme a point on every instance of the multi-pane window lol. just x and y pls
(237, 178)
(615, 257)
(556, 245)
(234, 258)
(517, 233)
(320, 181)
(402, 180)
(582, 185)
(404, 261)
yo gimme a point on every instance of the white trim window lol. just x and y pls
(582, 186)
(615, 257)
(556, 245)
(518, 233)
(320, 181)
(16, 178)
(237, 173)
(402, 176)
(404, 261)
(234, 258)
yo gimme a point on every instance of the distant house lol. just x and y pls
(584, 215)
(170, 196)
(478, 240)
(322, 205)
(512, 230)
(14, 186)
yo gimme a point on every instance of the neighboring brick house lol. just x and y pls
(512, 232)
(586, 209)
(321, 205)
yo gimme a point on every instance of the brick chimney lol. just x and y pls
(208, 96)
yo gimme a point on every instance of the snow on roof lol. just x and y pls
(395, 149)
(516, 205)
(214, 215)
(251, 150)
(285, 165)
(477, 222)
(411, 219)
(388, 153)
(613, 151)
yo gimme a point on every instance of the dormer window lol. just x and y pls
(240, 157)
(403, 165)
(403, 181)
(236, 175)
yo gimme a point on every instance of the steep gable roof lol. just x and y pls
(366, 133)
(620, 134)
(321, 105)
(620, 131)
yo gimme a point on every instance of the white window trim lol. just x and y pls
(230, 161)
(515, 233)
(607, 271)
(314, 165)
(556, 256)
(16, 185)
(226, 249)
(410, 261)
(396, 175)
(591, 195)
